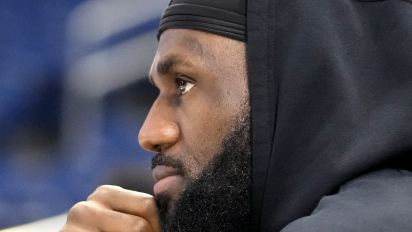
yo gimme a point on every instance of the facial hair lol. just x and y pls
(219, 199)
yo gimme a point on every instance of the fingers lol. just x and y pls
(127, 201)
(114, 209)
(90, 216)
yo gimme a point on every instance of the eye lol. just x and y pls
(183, 85)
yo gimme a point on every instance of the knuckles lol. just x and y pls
(103, 192)
(85, 212)
(81, 211)
(85, 209)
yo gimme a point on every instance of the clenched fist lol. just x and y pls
(112, 208)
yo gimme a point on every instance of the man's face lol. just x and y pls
(202, 104)
(203, 89)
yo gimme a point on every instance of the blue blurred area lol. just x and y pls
(31, 45)
(40, 173)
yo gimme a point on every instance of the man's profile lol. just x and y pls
(284, 116)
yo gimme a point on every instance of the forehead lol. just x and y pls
(191, 39)
(184, 44)
(183, 40)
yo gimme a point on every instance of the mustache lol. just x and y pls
(162, 159)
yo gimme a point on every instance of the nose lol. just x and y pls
(159, 131)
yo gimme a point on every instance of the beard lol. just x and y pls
(219, 199)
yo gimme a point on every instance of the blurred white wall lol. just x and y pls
(52, 224)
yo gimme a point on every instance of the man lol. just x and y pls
(299, 123)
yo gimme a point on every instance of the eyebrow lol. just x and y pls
(171, 61)
(166, 65)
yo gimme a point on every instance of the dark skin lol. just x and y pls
(202, 85)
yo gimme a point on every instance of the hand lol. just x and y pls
(112, 208)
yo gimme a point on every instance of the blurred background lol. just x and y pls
(73, 95)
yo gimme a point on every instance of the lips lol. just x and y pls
(168, 180)
(161, 171)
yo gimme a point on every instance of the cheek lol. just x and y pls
(206, 117)
(203, 131)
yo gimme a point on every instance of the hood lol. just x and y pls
(331, 98)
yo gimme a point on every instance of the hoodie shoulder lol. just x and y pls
(376, 202)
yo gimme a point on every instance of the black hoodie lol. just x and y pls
(331, 98)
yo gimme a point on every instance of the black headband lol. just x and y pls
(210, 18)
